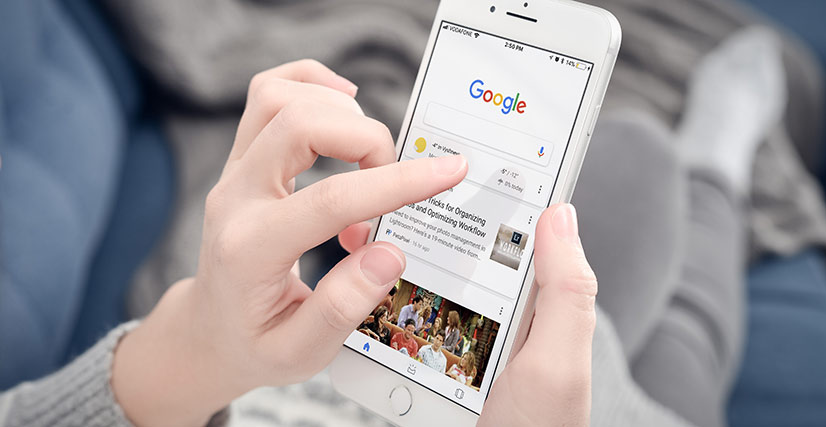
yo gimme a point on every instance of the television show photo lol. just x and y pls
(439, 333)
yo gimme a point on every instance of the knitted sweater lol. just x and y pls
(77, 395)
(80, 394)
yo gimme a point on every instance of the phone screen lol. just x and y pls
(510, 109)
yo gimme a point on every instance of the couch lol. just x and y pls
(86, 182)
(451, 358)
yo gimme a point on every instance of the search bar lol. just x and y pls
(488, 133)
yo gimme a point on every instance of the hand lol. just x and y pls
(548, 383)
(246, 319)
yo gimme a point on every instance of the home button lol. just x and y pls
(400, 400)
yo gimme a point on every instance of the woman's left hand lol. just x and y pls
(246, 319)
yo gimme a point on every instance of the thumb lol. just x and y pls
(549, 380)
(562, 271)
(563, 324)
(344, 298)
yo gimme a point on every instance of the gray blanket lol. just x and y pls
(663, 40)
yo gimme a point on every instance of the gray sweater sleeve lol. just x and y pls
(77, 395)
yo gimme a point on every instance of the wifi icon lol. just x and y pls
(476, 35)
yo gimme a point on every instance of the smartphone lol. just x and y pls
(516, 87)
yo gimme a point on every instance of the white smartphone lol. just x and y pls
(516, 87)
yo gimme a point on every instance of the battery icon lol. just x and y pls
(581, 66)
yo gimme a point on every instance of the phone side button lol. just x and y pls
(400, 400)
(593, 123)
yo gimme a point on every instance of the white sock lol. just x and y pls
(735, 97)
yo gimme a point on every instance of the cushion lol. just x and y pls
(85, 185)
(62, 134)
(144, 203)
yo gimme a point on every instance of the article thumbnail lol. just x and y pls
(439, 333)
(509, 246)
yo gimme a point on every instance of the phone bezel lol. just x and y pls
(571, 28)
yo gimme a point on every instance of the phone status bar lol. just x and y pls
(562, 60)
(517, 46)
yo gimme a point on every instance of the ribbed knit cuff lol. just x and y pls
(77, 395)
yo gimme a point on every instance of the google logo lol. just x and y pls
(477, 90)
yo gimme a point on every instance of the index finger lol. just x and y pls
(325, 208)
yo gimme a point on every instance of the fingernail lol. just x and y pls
(449, 165)
(564, 224)
(352, 89)
(381, 266)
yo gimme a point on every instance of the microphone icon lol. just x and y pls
(541, 151)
